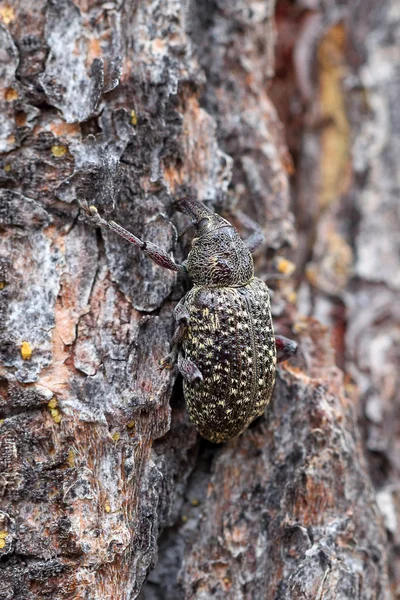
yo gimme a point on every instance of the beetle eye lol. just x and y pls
(202, 223)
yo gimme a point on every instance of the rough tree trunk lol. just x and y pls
(125, 105)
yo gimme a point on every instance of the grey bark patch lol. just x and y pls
(147, 284)
(17, 118)
(30, 318)
(8, 57)
(98, 176)
(113, 66)
(16, 399)
(230, 38)
(69, 83)
(36, 263)
(21, 212)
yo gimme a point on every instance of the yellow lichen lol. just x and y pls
(131, 424)
(184, 518)
(284, 266)
(71, 458)
(3, 536)
(58, 151)
(10, 94)
(107, 508)
(195, 502)
(133, 118)
(53, 403)
(56, 416)
(26, 350)
(7, 14)
(2, 284)
(55, 413)
(116, 436)
(1, 422)
(300, 326)
(7, 168)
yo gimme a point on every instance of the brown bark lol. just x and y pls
(345, 138)
(290, 513)
(125, 105)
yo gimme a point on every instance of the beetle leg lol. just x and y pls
(169, 361)
(189, 370)
(285, 348)
(191, 227)
(181, 315)
(156, 254)
(255, 241)
(177, 339)
(256, 237)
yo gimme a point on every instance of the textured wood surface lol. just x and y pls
(342, 77)
(125, 105)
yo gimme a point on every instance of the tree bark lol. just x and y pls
(103, 477)
(342, 78)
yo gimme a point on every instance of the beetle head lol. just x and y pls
(218, 257)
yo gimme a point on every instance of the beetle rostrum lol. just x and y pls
(224, 344)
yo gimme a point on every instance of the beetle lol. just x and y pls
(224, 344)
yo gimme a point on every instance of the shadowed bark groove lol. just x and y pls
(125, 105)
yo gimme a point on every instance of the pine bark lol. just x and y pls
(107, 490)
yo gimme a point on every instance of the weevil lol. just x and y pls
(224, 344)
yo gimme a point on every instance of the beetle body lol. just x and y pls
(231, 340)
(224, 344)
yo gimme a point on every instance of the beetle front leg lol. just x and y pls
(156, 254)
(285, 348)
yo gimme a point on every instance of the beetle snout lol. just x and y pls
(193, 208)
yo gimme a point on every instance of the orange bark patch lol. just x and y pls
(313, 503)
(173, 177)
(56, 376)
(158, 44)
(7, 14)
(10, 94)
(68, 129)
(20, 118)
(94, 50)
(335, 138)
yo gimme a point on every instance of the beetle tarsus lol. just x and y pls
(189, 370)
(285, 348)
(168, 362)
